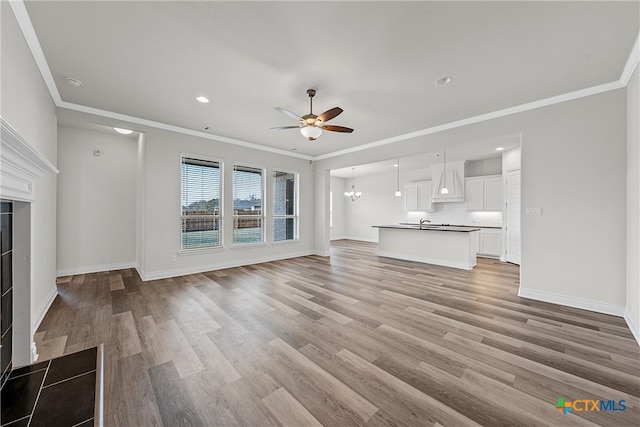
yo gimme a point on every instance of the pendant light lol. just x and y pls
(444, 189)
(398, 193)
(353, 194)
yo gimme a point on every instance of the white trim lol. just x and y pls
(24, 22)
(175, 272)
(95, 268)
(632, 63)
(20, 165)
(635, 330)
(42, 311)
(177, 129)
(570, 301)
(594, 90)
(26, 26)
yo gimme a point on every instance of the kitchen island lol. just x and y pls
(448, 246)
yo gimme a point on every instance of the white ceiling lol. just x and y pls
(376, 60)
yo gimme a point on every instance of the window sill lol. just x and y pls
(284, 242)
(199, 251)
(248, 245)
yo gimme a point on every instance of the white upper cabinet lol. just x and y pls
(417, 197)
(484, 193)
(493, 194)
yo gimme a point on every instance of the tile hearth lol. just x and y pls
(58, 392)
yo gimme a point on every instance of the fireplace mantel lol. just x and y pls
(20, 165)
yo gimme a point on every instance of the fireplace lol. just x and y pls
(20, 167)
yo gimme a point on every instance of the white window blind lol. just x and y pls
(201, 203)
(285, 206)
(248, 212)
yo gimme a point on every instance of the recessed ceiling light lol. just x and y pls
(123, 131)
(499, 148)
(443, 81)
(202, 99)
(73, 82)
(395, 165)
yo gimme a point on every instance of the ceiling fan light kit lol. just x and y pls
(311, 126)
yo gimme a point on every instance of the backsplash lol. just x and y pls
(456, 213)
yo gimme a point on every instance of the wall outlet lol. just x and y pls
(535, 211)
(173, 258)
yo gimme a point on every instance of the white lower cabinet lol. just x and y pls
(490, 242)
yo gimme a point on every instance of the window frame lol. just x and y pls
(263, 213)
(296, 208)
(220, 216)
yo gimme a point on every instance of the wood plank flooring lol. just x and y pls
(350, 340)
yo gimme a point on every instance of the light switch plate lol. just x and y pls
(534, 211)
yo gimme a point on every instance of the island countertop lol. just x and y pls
(427, 227)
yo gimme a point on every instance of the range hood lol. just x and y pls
(454, 182)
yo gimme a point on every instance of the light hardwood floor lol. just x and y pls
(354, 339)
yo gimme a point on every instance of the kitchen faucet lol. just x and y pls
(423, 221)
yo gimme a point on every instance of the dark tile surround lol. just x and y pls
(59, 392)
(6, 289)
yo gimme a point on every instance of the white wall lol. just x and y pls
(339, 201)
(511, 160)
(632, 314)
(573, 163)
(161, 212)
(96, 201)
(483, 167)
(377, 206)
(29, 109)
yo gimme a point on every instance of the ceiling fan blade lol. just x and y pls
(288, 113)
(330, 114)
(337, 128)
(285, 127)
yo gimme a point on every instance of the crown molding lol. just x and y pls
(21, 165)
(177, 129)
(632, 63)
(24, 21)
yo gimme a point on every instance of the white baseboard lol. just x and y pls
(633, 326)
(175, 272)
(95, 268)
(42, 311)
(585, 304)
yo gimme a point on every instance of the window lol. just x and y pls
(201, 207)
(248, 194)
(285, 206)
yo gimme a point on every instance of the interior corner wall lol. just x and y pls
(573, 168)
(96, 201)
(162, 211)
(632, 313)
(140, 202)
(338, 208)
(27, 106)
(377, 206)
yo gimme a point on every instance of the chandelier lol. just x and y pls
(353, 194)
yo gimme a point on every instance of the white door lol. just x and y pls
(513, 217)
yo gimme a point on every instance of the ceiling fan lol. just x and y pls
(311, 126)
